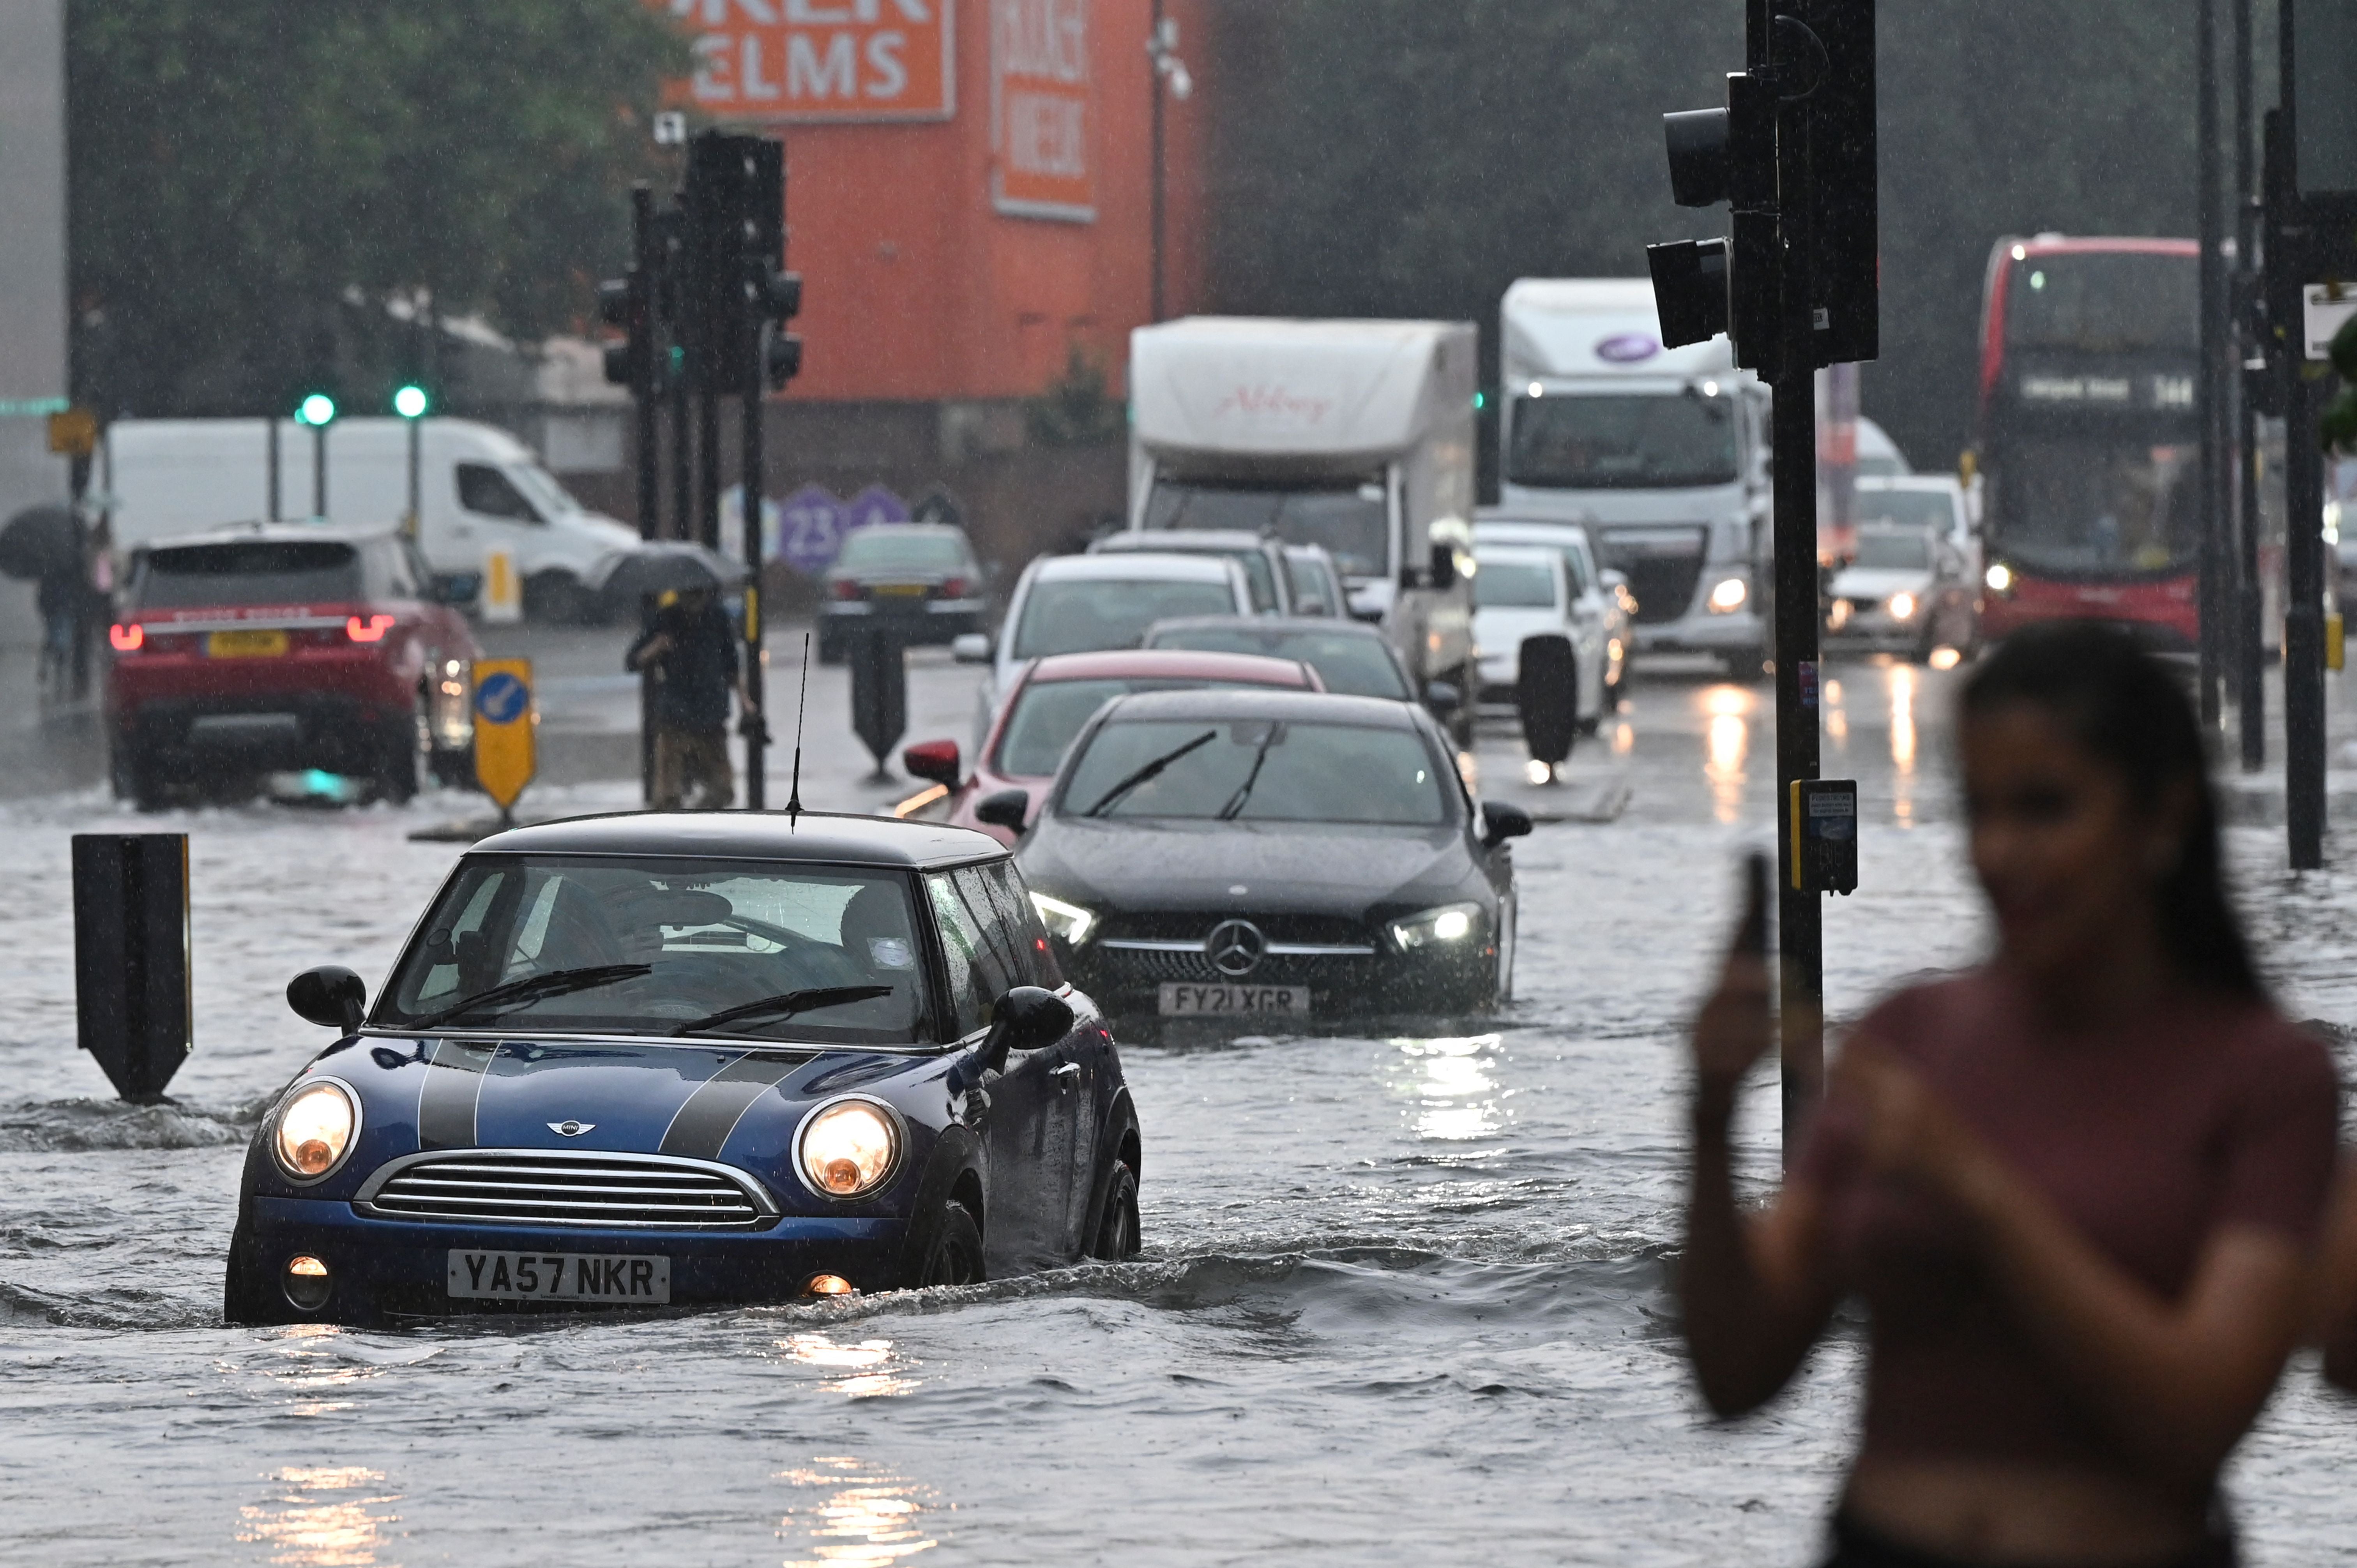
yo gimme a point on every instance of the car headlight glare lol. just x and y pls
(1442, 927)
(315, 1129)
(1902, 606)
(1728, 595)
(2000, 578)
(1068, 923)
(847, 1149)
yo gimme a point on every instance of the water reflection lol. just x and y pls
(1727, 744)
(1902, 743)
(1451, 1082)
(314, 1524)
(875, 1370)
(865, 1517)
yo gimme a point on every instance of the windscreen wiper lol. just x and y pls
(537, 987)
(1148, 774)
(1235, 805)
(790, 1004)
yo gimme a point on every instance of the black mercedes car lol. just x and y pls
(1272, 856)
(679, 1060)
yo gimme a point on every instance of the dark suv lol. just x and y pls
(283, 647)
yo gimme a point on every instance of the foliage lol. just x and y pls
(1078, 410)
(1395, 158)
(2338, 429)
(251, 179)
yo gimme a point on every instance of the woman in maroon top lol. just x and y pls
(2076, 1187)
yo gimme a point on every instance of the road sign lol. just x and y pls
(73, 432)
(505, 720)
(2328, 308)
(1042, 101)
(848, 61)
(873, 505)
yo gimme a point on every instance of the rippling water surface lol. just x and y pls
(1402, 1301)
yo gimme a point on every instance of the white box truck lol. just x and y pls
(1663, 452)
(480, 490)
(1358, 436)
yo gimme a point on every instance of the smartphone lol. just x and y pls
(1751, 936)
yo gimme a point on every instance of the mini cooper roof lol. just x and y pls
(820, 838)
(1221, 704)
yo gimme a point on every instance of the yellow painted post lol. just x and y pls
(505, 719)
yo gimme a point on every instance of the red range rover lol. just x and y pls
(281, 647)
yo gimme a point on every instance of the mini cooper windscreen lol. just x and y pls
(666, 948)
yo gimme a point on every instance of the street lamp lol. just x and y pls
(411, 403)
(1169, 72)
(318, 410)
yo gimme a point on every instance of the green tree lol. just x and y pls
(252, 180)
(1397, 158)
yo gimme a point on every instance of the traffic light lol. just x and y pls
(317, 410)
(628, 301)
(1703, 288)
(776, 298)
(411, 401)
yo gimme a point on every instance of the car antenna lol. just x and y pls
(794, 792)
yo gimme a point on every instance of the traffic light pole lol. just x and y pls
(2250, 662)
(2288, 258)
(643, 392)
(749, 337)
(1800, 912)
(2209, 386)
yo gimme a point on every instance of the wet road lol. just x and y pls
(1401, 1298)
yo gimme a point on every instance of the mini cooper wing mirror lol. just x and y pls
(1025, 1018)
(1501, 821)
(970, 648)
(331, 996)
(1442, 697)
(1007, 809)
(936, 760)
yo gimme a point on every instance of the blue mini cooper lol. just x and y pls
(683, 1059)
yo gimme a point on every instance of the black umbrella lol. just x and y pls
(664, 565)
(41, 541)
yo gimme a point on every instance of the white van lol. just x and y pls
(479, 489)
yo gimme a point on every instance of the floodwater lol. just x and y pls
(1402, 1299)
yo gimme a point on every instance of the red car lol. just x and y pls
(1046, 708)
(284, 647)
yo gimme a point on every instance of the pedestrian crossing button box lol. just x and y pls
(1824, 835)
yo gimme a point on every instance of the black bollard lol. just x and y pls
(1546, 691)
(130, 957)
(879, 692)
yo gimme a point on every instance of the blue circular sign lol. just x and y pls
(501, 698)
(1626, 349)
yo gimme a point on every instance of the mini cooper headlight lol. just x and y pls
(848, 1148)
(315, 1129)
(1442, 927)
(1068, 923)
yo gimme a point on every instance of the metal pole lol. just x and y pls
(272, 424)
(2209, 403)
(1155, 81)
(749, 440)
(1800, 915)
(676, 298)
(416, 466)
(642, 319)
(318, 470)
(2250, 658)
(2303, 634)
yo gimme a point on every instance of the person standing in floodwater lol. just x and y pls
(2077, 1187)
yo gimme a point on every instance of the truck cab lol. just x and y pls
(1355, 436)
(1663, 452)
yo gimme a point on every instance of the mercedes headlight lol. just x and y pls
(1446, 927)
(315, 1129)
(1728, 595)
(1902, 606)
(1068, 923)
(848, 1148)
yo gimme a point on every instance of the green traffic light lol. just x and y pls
(411, 403)
(315, 409)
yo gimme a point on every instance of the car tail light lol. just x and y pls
(954, 588)
(846, 588)
(370, 630)
(127, 639)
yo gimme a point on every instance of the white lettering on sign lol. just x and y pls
(807, 76)
(1043, 109)
(817, 60)
(1047, 137)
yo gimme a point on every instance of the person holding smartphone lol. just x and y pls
(2076, 1187)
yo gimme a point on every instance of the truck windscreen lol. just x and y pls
(262, 572)
(2097, 506)
(1352, 524)
(1623, 441)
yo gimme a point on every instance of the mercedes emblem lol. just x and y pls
(571, 1129)
(1235, 947)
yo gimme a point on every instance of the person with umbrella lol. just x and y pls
(48, 546)
(689, 652)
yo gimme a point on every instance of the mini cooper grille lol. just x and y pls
(610, 1191)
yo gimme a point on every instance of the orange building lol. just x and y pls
(969, 182)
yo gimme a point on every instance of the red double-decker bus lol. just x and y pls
(2087, 436)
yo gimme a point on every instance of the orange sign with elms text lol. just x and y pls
(817, 62)
(1043, 109)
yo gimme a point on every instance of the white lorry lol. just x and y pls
(1356, 436)
(1663, 452)
(480, 490)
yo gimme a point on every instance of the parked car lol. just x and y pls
(278, 647)
(1263, 558)
(1051, 700)
(922, 579)
(649, 1060)
(1086, 604)
(1909, 590)
(1599, 594)
(1521, 593)
(1350, 656)
(1262, 857)
(1314, 582)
